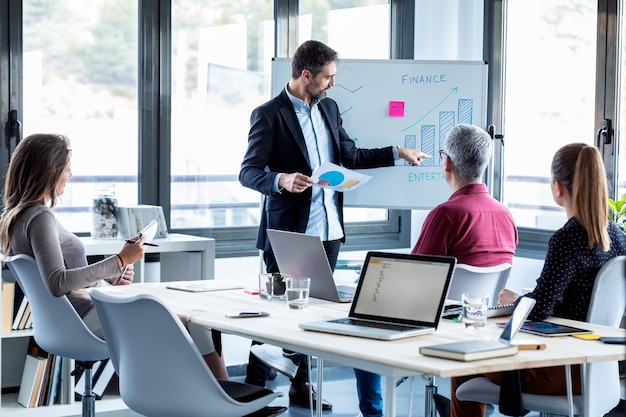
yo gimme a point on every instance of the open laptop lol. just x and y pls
(398, 296)
(301, 255)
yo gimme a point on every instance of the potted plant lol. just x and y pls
(617, 211)
(276, 284)
(272, 285)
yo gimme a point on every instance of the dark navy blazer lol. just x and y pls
(276, 145)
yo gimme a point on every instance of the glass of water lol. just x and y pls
(474, 309)
(298, 292)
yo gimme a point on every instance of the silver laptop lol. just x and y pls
(398, 296)
(301, 255)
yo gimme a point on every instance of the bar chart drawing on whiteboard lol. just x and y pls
(431, 137)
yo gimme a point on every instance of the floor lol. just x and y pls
(339, 389)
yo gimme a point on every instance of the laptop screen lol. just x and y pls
(400, 288)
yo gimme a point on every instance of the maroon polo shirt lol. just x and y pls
(472, 226)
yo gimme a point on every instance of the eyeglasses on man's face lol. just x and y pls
(442, 154)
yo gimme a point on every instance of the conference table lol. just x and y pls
(392, 359)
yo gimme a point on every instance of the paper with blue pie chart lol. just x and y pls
(338, 178)
(332, 178)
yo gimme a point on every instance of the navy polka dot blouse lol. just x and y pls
(566, 281)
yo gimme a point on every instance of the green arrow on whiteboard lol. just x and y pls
(452, 91)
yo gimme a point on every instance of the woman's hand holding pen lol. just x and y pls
(128, 273)
(132, 251)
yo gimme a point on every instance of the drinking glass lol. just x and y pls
(474, 309)
(298, 292)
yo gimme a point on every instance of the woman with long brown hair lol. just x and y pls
(575, 254)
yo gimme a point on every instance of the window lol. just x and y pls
(221, 56)
(216, 42)
(80, 79)
(549, 99)
(356, 30)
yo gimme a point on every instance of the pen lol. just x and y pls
(145, 243)
(131, 241)
(531, 346)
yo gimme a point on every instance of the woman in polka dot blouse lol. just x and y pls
(578, 250)
(575, 254)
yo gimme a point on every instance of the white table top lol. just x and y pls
(174, 242)
(390, 358)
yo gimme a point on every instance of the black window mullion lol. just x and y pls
(607, 66)
(154, 103)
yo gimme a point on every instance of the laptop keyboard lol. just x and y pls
(374, 324)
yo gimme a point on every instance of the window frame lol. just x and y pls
(533, 241)
(10, 63)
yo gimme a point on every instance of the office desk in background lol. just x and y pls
(390, 358)
(174, 244)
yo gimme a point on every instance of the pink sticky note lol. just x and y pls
(396, 108)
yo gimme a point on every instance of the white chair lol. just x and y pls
(488, 280)
(601, 384)
(57, 327)
(161, 372)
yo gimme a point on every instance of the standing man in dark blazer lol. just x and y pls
(290, 136)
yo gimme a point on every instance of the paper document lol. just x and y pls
(337, 178)
(204, 285)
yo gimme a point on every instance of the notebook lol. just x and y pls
(454, 310)
(149, 232)
(398, 296)
(475, 349)
(301, 255)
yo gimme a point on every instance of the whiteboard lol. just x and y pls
(413, 104)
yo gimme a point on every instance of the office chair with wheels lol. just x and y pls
(57, 327)
(161, 372)
(601, 384)
(488, 280)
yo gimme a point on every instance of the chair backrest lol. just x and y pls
(484, 280)
(608, 300)
(607, 307)
(160, 369)
(57, 327)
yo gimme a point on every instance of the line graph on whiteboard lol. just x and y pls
(429, 129)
